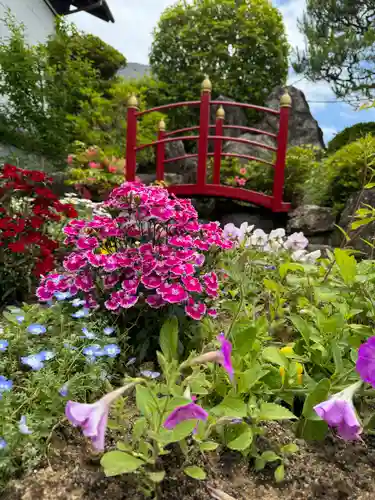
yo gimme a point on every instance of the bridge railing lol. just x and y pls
(274, 202)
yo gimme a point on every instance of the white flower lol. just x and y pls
(278, 233)
(231, 232)
(299, 255)
(244, 231)
(258, 238)
(312, 257)
(273, 245)
(296, 241)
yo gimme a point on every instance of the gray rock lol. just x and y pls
(185, 167)
(311, 219)
(249, 149)
(367, 232)
(303, 128)
(233, 116)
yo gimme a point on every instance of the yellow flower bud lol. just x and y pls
(288, 349)
(299, 368)
(282, 372)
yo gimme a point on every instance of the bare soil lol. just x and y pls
(332, 470)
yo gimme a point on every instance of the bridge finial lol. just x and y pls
(206, 84)
(133, 101)
(162, 126)
(220, 113)
(285, 100)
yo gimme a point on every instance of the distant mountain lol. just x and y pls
(134, 70)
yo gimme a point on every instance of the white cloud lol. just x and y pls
(131, 33)
(291, 12)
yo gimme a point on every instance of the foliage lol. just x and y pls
(243, 54)
(102, 121)
(42, 359)
(89, 168)
(340, 46)
(342, 173)
(27, 250)
(301, 163)
(350, 134)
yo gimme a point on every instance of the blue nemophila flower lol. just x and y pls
(36, 329)
(108, 330)
(35, 361)
(3, 345)
(62, 295)
(87, 334)
(150, 374)
(23, 426)
(111, 350)
(81, 313)
(131, 361)
(3, 443)
(20, 319)
(63, 391)
(270, 268)
(70, 347)
(92, 351)
(5, 384)
(78, 302)
(46, 355)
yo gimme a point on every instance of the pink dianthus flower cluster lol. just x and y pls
(150, 250)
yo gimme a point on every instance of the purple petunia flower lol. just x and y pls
(226, 352)
(36, 329)
(92, 418)
(339, 412)
(24, 429)
(366, 361)
(3, 345)
(190, 411)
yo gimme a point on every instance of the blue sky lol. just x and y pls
(132, 35)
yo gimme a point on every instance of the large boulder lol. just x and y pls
(303, 128)
(251, 150)
(233, 116)
(311, 220)
(366, 232)
(186, 167)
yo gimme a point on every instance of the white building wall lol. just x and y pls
(37, 17)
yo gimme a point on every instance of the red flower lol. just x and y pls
(70, 211)
(45, 193)
(17, 246)
(36, 222)
(18, 225)
(44, 266)
(35, 175)
(4, 222)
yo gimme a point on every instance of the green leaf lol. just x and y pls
(289, 448)
(250, 377)
(195, 473)
(318, 394)
(231, 406)
(302, 326)
(312, 430)
(289, 266)
(115, 463)
(122, 446)
(347, 265)
(259, 464)
(243, 339)
(145, 401)
(362, 222)
(280, 473)
(169, 338)
(208, 446)
(343, 232)
(243, 441)
(156, 477)
(274, 356)
(180, 432)
(269, 456)
(272, 411)
(337, 357)
(139, 428)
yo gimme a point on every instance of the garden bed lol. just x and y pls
(332, 470)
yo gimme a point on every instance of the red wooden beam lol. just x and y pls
(243, 141)
(131, 139)
(169, 106)
(246, 106)
(165, 141)
(250, 129)
(160, 152)
(236, 193)
(204, 128)
(220, 115)
(282, 144)
(182, 130)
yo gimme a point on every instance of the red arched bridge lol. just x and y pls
(202, 187)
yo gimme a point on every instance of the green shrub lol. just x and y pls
(342, 174)
(350, 134)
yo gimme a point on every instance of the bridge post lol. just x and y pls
(131, 138)
(220, 116)
(282, 144)
(204, 127)
(160, 152)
